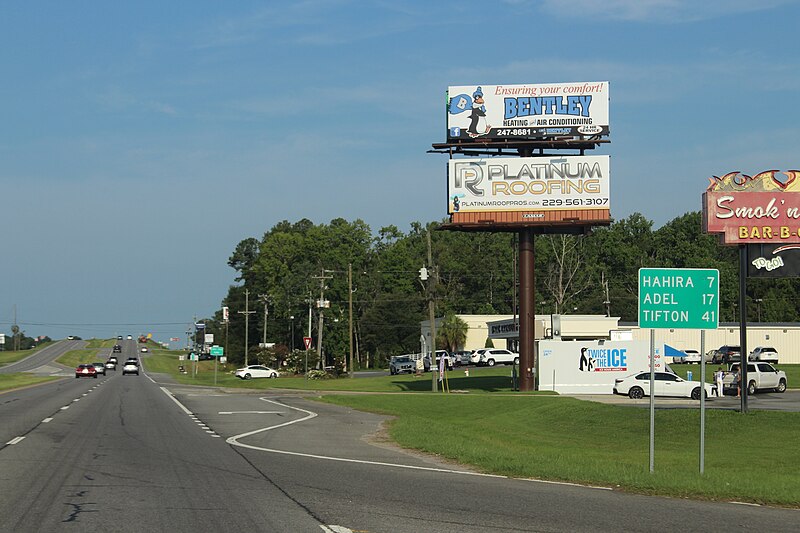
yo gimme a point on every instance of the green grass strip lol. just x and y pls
(14, 381)
(566, 439)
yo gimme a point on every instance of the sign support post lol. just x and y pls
(678, 298)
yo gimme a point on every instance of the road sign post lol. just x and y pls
(678, 298)
(216, 352)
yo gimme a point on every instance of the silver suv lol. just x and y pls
(400, 364)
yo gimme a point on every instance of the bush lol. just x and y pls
(318, 374)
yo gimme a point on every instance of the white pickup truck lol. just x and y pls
(760, 376)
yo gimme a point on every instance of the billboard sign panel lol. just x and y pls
(760, 209)
(531, 111)
(528, 184)
(773, 260)
(590, 367)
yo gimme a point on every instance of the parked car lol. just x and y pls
(85, 371)
(130, 367)
(256, 371)
(100, 367)
(400, 364)
(764, 354)
(760, 376)
(492, 356)
(692, 357)
(666, 384)
(461, 357)
(727, 354)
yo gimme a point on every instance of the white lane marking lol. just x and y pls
(85, 394)
(251, 412)
(174, 399)
(65, 408)
(15, 440)
(335, 529)
(76, 400)
(235, 442)
(216, 436)
(48, 419)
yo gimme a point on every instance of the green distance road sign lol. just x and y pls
(217, 351)
(679, 298)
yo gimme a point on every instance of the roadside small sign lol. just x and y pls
(307, 342)
(217, 351)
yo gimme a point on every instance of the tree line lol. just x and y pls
(294, 265)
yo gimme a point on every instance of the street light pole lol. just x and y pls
(247, 312)
(265, 299)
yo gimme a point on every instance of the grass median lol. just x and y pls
(15, 381)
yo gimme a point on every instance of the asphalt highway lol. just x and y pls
(135, 453)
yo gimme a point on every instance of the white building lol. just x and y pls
(503, 330)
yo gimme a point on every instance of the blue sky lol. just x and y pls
(141, 141)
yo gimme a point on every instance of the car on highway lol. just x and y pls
(144, 349)
(111, 364)
(116, 349)
(100, 367)
(637, 386)
(130, 337)
(130, 367)
(764, 354)
(86, 371)
(256, 371)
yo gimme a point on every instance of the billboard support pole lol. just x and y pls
(743, 325)
(527, 309)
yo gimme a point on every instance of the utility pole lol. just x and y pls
(350, 306)
(322, 303)
(432, 314)
(247, 312)
(265, 298)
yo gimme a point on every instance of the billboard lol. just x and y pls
(760, 209)
(531, 185)
(484, 113)
(590, 367)
(773, 261)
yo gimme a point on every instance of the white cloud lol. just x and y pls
(667, 11)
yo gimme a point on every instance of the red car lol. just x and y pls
(88, 371)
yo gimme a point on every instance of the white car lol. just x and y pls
(256, 371)
(130, 367)
(666, 384)
(492, 356)
(764, 354)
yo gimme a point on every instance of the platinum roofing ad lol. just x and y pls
(528, 184)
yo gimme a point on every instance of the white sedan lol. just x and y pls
(666, 384)
(256, 371)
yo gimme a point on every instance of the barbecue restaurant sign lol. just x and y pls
(763, 209)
